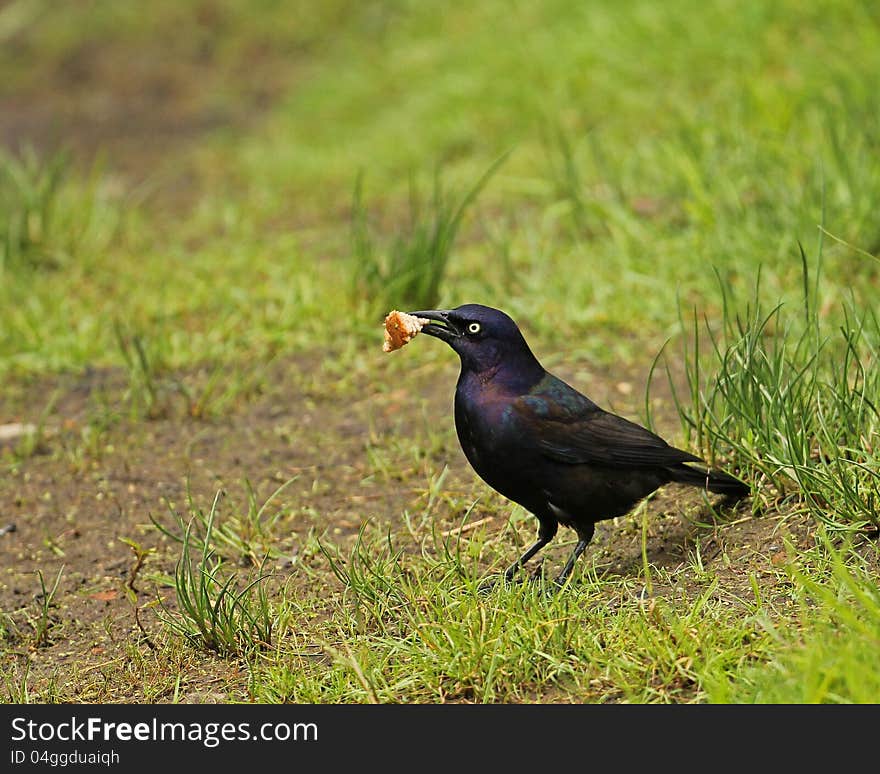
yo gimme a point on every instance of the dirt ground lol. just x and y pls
(61, 511)
(62, 508)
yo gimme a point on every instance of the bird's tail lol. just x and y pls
(715, 481)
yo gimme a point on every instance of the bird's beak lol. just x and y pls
(445, 332)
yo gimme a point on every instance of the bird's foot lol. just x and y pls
(511, 576)
(503, 579)
(557, 585)
(543, 584)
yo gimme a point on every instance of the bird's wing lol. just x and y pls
(570, 428)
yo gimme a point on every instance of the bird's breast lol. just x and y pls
(487, 431)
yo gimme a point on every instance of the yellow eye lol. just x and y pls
(474, 327)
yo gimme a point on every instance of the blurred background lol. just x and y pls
(234, 175)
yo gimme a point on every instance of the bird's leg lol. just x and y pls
(585, 535)
(546, 532)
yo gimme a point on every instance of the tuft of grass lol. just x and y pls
(408, 271)
(47, 218)
(40, 617)
(213, 612)
(146, 389)
(797, 406)
(42, 622)
(29, 192)
(17, 687)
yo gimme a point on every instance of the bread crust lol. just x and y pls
(400, 329)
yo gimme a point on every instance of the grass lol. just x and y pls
(213, 611)
(42, 622)
(796, 404)
(417, 627)
(683, 181)
(40, 617)
(29, 191)
(243, 539)
(833, 657)
(415, 262)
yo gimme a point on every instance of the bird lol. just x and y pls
(543, 444)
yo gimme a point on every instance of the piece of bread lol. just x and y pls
(400, 329)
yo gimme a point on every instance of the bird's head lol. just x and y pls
(487, 340)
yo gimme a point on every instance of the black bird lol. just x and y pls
(544, 445)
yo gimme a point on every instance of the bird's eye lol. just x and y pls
(474, 327)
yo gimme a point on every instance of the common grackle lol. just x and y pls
(544, 445)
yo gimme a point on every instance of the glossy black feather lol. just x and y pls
(548, 447)
(569, 427)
